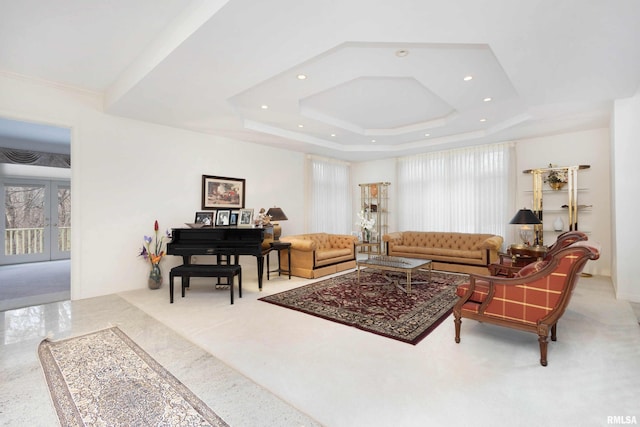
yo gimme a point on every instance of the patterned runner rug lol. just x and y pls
(104, 378)
(376, 305)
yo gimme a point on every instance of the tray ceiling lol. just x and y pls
(379, 80)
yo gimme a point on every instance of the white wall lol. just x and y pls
(626, 189)
(126, 174)
(589, 147)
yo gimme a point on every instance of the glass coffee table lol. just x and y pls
(398, 264)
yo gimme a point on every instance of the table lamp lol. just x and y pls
(276, 214)
(525, 217)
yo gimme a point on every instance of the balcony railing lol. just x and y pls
(23, 241)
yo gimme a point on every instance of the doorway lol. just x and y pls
(35, 242)
(37, 225)
(35, 198)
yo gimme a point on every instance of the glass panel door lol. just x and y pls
(34, 228)
(61, 220)
(24, 233)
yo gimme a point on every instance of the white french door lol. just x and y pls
(61, 220)
(37, 220)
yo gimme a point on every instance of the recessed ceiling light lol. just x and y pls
(483, 120)
(401, 53)
(300, 126)
(264, 107)
(487, 99)
(373, 140)
(333, 134)
(427, 134)
(467, 78)
(301, 76)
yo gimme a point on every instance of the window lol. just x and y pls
(467, 190)
(329, 196)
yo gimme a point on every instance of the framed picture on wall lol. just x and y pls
(246, 218)
(222, 218)
(222, 193)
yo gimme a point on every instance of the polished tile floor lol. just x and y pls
(24, 398)
(251, 357)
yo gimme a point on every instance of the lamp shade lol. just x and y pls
(277, 214)
(525, 216)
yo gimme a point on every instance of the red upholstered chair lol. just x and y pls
(505, 266)
(532, 301)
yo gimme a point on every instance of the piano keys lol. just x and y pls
(220, 241)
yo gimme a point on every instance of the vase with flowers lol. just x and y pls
(152, 251)
(366, 224)
(556, 178)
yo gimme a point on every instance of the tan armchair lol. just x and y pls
(531, 301)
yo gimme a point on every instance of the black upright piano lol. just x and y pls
(220, 241)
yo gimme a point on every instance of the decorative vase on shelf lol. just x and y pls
(556, 185)
(558, 224)
(155, 276)
(366, 235)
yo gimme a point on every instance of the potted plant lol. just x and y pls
(556, 178)
(366, 225)
(152, 251)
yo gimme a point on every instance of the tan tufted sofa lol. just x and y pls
(318, 254)
(456, 252)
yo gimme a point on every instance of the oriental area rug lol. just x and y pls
(104, 378)
(376, 305)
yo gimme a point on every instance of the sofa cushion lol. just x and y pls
(342, 241)
(321, 239)
(323, 254)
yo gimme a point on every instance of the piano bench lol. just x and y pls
(206, 270)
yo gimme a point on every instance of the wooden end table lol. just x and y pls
(519, 256)
(277, 245)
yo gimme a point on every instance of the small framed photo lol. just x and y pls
(246, 218)
(222, 218)
(205, 218)
(222, 193)
(233, 219)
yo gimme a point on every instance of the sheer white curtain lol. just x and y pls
(469, 190)
(329, 196)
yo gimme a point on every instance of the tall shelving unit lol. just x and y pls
(374, 201)
(571, 191)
